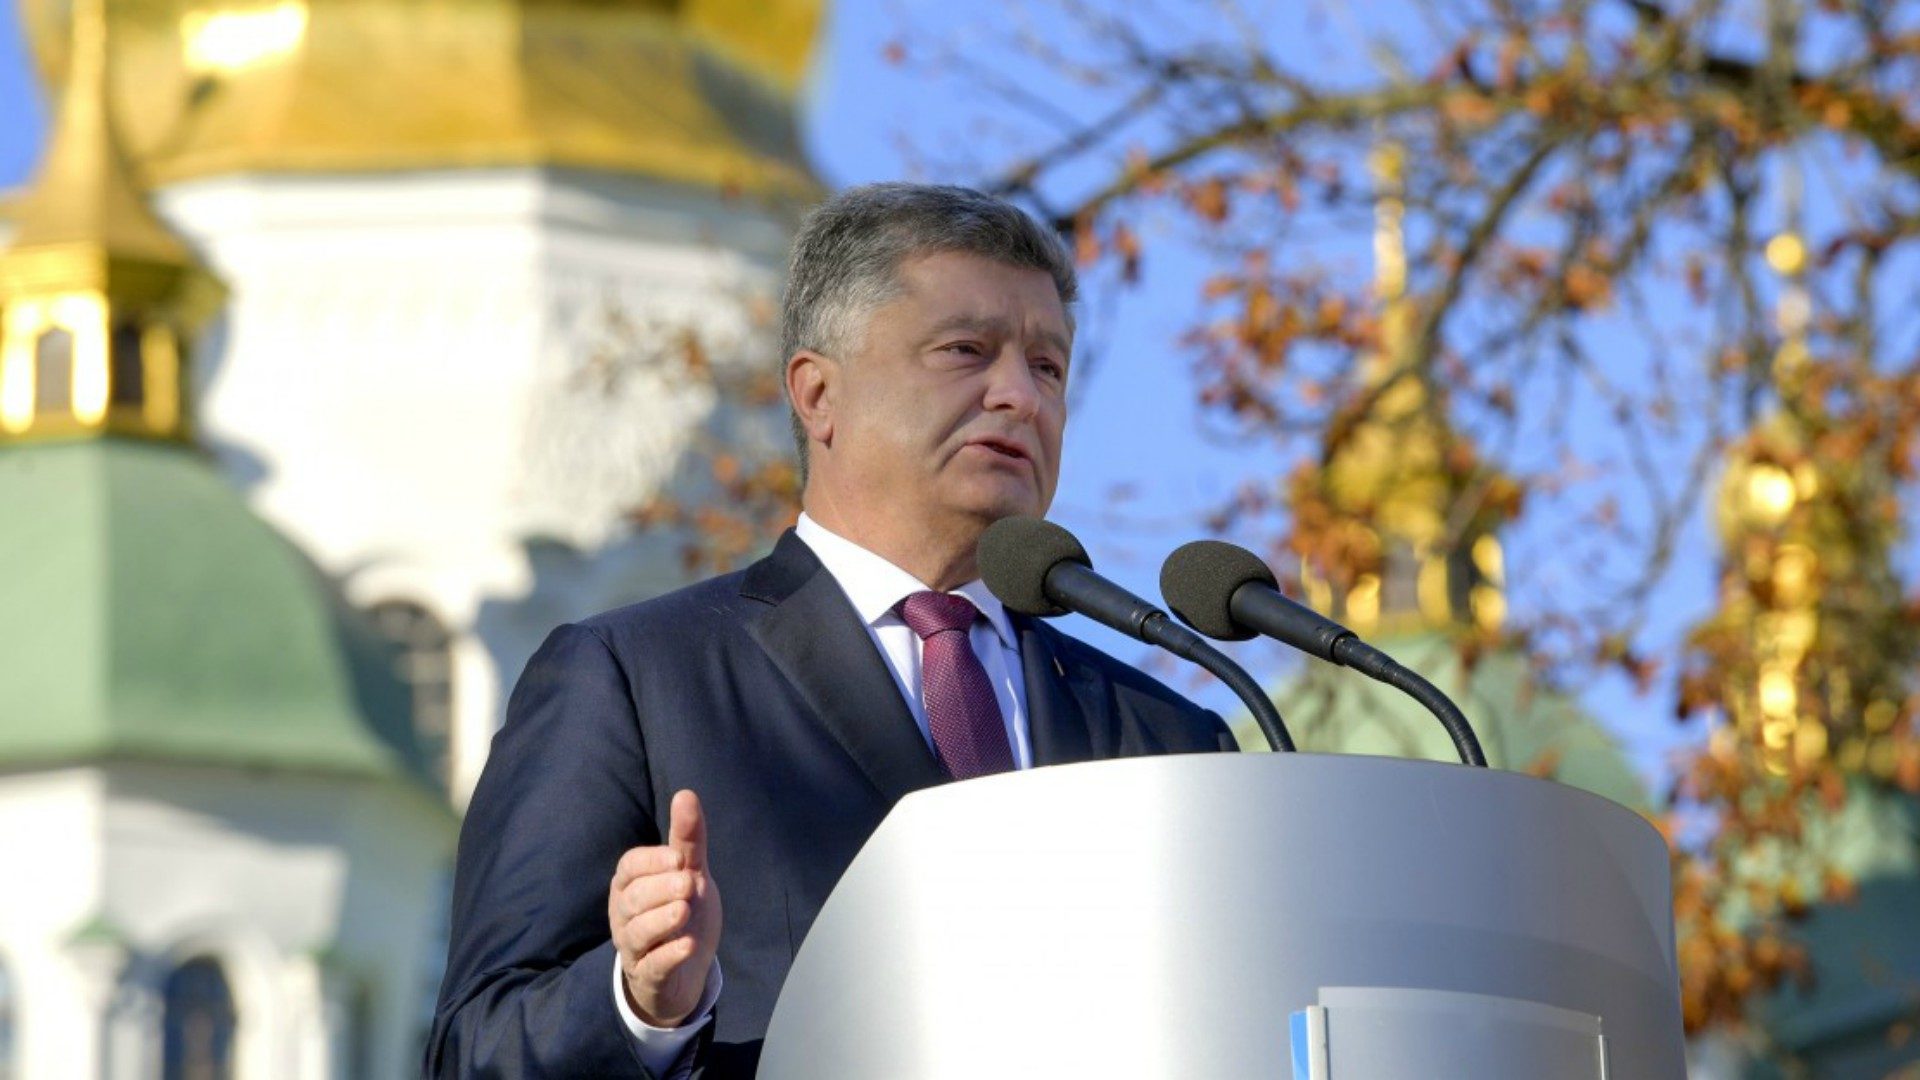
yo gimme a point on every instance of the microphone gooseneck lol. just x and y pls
(1037, 568)
(1226, 591)
(1369, 661)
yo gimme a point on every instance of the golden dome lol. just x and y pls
(692, 91)
(96, 295)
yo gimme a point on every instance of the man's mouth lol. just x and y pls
(1003, 448)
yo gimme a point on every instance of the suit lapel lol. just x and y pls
(1058, 702)
(815, 638)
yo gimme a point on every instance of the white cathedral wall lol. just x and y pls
(49, 829)
(306, 889)
(426, 378)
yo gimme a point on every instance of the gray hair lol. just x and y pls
(847, 256)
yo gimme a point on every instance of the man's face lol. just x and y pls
(948, 415)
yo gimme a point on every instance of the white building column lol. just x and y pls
(321, 997)
(476, 713)
(123, 1006)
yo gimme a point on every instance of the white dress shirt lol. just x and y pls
(874, 586)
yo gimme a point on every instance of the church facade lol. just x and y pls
(338, 347)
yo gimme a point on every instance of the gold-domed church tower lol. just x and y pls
(225, 856)
(1808, 661)
(488, 263)
(1420, 515)
(97, 297)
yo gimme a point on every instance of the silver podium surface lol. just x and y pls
(1169, 916)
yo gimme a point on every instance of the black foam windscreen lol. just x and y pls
(1015, 554)
(1199, 579)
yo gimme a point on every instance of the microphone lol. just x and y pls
(1226, 592)
(1037, 568)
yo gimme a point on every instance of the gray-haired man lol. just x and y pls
(747, 734)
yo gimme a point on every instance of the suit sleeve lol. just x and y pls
(565, 791)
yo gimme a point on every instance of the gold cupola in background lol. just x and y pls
(1401, 493)
(1813, 636)
(98, 299)
(1400, 474)
(697, 92)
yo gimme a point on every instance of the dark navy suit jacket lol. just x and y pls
(762, 692)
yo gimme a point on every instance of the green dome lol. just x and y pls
(1523, 726)
(152, 616)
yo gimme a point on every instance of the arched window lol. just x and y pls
(9, 1065)
(198, 1023)
(126, 357)
(425, 664)
(53, 371)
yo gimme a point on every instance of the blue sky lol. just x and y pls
(1135, 422)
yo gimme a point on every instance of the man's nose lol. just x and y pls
(1011, 385)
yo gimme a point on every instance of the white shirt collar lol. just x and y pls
(876, 585)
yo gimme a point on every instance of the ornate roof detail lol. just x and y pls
(689, 91)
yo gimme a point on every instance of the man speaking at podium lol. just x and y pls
(747, 734)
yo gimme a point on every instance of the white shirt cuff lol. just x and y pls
(660, 1047)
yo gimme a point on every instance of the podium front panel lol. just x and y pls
(1165, 917)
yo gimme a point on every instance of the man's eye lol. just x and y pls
(967, 347)
(1051, 368)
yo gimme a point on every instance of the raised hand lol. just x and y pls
(664, 912)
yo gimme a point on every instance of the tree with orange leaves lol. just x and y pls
(1681, 233)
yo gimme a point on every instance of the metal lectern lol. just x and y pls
(1309, 916)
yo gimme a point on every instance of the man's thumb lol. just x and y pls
(687, 830)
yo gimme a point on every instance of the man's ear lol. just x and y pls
(812, 380)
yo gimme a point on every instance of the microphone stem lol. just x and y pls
(1264, 714)
(1368, 660)
(1159, 630)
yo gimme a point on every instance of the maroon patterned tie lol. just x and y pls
(969, 735)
